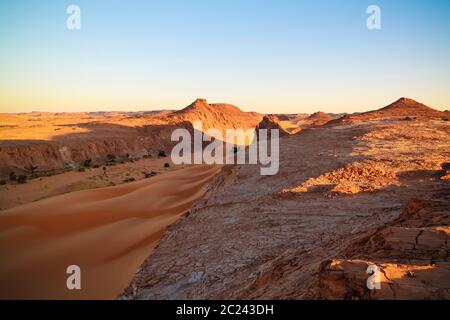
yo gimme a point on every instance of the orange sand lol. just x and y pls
(108, 232)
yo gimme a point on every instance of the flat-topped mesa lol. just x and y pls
(216, 115)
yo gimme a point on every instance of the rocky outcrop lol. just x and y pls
(95, 136)
(318, 119)
(271, 122)
(220, 116)
(412, 254)
(246, 242)
(72, 151)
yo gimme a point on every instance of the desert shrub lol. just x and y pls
(82, 169)
(96, 166)
(22, 179)
(2, 182)
(162, 154)
(131, 179)
(31, 168)
(166, 165)
(149, 174)
(87, 163)
(68, 165)
(111, 157)
(12, 176)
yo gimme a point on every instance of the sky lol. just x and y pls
(261, 55)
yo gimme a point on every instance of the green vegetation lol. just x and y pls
(162, 154)
(111, 158)
(87, 163)
(149, 174)
(31, 168)
(22, 179)
(12, 176)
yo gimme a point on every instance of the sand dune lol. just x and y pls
(108, 232)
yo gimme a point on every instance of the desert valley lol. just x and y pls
(99, 190)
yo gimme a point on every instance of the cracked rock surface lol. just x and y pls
(341, 201)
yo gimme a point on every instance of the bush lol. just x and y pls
(2, 182)
(149, 174)
(22, 179)
(81, 169)
(87, 163)
(162, 154)
(131, 179)
(31, 168)
(111, 157)
(166, 165)
(12, 176)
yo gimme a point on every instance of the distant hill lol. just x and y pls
(217, 115)
(318, 119)
(402, 108)
(272, 121)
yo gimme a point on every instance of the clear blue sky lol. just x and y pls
(267, 56)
